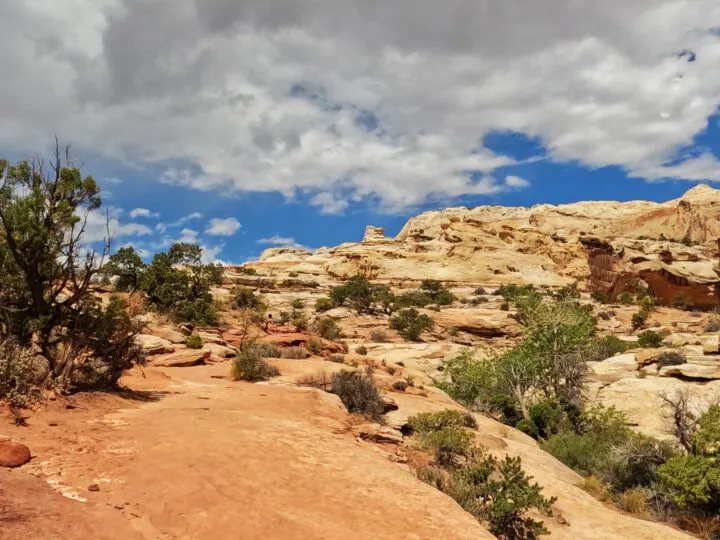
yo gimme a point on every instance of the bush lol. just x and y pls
(713, 325)
(634, 501)
(249, 365)
(246, 298)
(358, 393)
(427, 422)
(378, 336)
(267, 350)
(248, 271)
(299, 321)
(547, 416)
(505, 306)
(362, 350)
(298, 303)
(337, 358)
(361, 295)
(194, 342)
(19, 374)
(671, 358)
(315, 345)
(585, 454)
(600, 297)
(680, 301)
(294, 353)
(649, 340)
(399, 386)
(608, 346)
(410, 324)
(639, 319)
(692, 482)
(480, 291)
(626, 298)
(322, 305)
(447, 444)
(284, 319)
(329, 329)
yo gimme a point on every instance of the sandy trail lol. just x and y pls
(193, 456)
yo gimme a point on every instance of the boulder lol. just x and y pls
(299, 339)
(173, 336)
(153, 344)
(389, 404)
(613, 369)
(378, 434)
(210, 337)
(712, 345)
(339, 313)
(223, 351)
(13, 454)
(647, 356)
(185, 358)
(706, 372)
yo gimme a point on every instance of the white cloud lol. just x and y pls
(276, 96)
(515, 182)
(329, 204)
(98, 224)
(281, 241)
(188, 236)
(142, 252)
(143, 212)
(223, 227)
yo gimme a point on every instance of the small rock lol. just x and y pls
(153, 344)
(647, 356)
(712, 345)
(13, 454)
(389, 404)
(377, 433)
(93, 487)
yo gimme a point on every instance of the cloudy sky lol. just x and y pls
(241, 124)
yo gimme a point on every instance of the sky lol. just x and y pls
(241, 125)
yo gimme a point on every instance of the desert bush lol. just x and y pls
(600, 297)
(194, 342)
(447, 445)
(410, 324)
(480, 291)
(299, 321)
(596, 487)
(427, 422)
(358, 393)
(298, 303)
(337, 358)
(639, 319)
(267, 350)
(320, 380)
(284, 319)
(19, 374)
(671, 358)
(713, 325)
(293, 274)
(245, 298)
(649, 340)
(568, 292)
(634, 501)
(608, 346)
(322, 305)
(693, 483)
(249, 365)
(294, 353)
(378, 336)
(547, 416)
(362, 350)
(634, 462)
(399, 386)
(248, 271)
(361, 295)
(329, 329)
(505, 306)
(315, 345)
(680, 301)
(626, 298)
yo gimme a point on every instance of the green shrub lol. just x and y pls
(447, 444)
(315, 345)
(248, 271)
(634, 462)
(362, 350)
(378, 336)
(298, 303)
(299, 321)
(706, 440)
(294, 353)
(671, 358)
(410, 324)
(322, 305)
(681, 301)
(529, 428)
(608, 346)
(600, 297)
(329, 329)
(337, 358)
(361, 295)
(639, 319)
(480, 291)
(358, 393)
(249, 365)
(267, 350)
(568, 292)
(194, 342)
(547, 416)
(713, 325)
(246, 298)
(626, 298)
(649, 340)
(19, 374)
(427, 422)
(293, 274)
(505, 306)
(284, 319)
(585, 454)
(692, 482)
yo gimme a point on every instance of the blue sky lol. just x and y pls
(241, 125)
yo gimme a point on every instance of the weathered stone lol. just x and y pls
(645, 357)
(692, 371)
(223, 351)
(173, 336)
(712, 345)
(13, 454)
(153, 344)
(185, 358)
(377, 433)
(615, 368)
(210, 337)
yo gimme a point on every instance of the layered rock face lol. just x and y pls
(609, 246)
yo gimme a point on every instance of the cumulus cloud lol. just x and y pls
(281, 241)
(381, 100)
(223, 227)
(515, 182)
(99, 223)
(143, 212)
